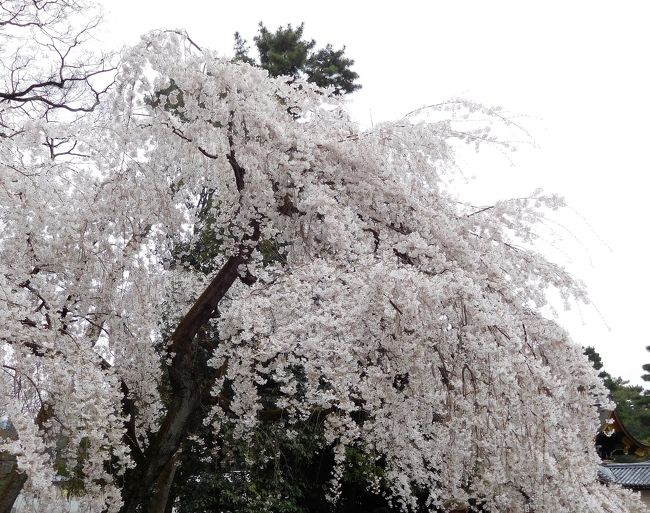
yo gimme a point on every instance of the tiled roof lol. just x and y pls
(631, 475)
(605, 475)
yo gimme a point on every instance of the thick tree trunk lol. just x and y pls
(11, 483)
(140, 481)
(140, 492)
(185, 384)
(162, 488)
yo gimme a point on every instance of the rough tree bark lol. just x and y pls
(10, 484)
(160, 500)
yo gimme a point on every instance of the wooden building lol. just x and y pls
(614, 439)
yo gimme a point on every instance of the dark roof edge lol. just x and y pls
(627, 433)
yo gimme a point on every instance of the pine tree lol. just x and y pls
(241, 50)
(646, 368)
(286, 52)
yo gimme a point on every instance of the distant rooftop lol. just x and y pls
(630, 475)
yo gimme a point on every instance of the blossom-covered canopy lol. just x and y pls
(344, 273)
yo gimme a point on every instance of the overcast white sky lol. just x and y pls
(577, 70)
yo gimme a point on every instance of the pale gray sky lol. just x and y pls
(577, 70)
